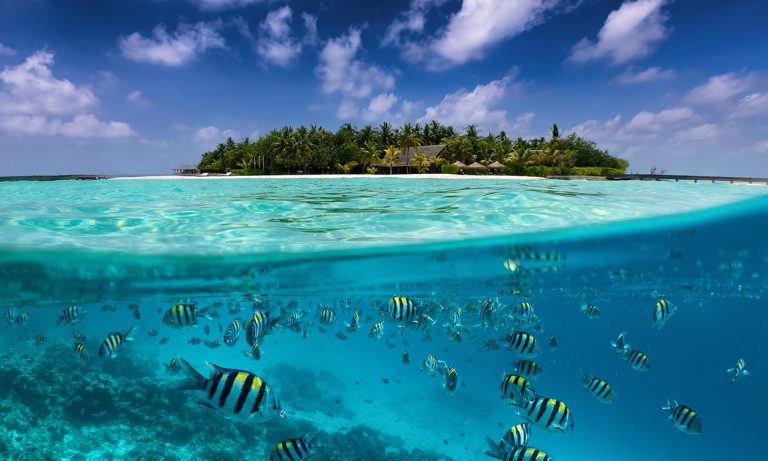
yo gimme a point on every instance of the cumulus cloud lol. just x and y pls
(6, 51)
(750, 106)
(477, 26)
(276, 43)
(631, 32)
(210, 136)
(479, 106)
(651, 74)
(597, 129)
(657, 121)
(210, 5)
(137, 98)
(720, 88)
(34, 101)
(176, 49)
(706, 132)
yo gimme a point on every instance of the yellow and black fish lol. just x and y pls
(184, 315)
(40, 339)
(70, 315)
(238, 394)
(523, 454)
(232, 334)
(173, 366)
(258, 326)
(638, 360)
(549, 414)
(516, 436)
(377, 330)
(515, 389)
(598, 388)
(354, 323)
(78, 336)
(662, 312)
(80, 351)
(326, 315)
(294, 449)
(522, 343)
(487, 311)
(738, 371)
(451, 380)
(114, 341)
(683, 417)
(402, 309)
(528, 368)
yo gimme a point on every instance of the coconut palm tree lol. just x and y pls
(421, 162)
(554, 132)
(347, 167)
(391, 153)
(385, 134)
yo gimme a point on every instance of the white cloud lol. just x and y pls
(223, 4)
(210, 136)
(33, 101)
(720, 88)
(6, 51)
(175, 49)
(463, 107)
(411, 20)
(751, 105)
(31, 88)
(597, 129)
(658, 121)
(706, 132)
(651, 74)
(631, 32)
(762, 146)
(310, 25)
(276, 43)
(135, 97)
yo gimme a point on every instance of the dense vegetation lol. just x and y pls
(367, 150)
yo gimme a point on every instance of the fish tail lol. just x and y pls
(194, 380)
(128, 336)
(494, 450)
(312, 437)
(206, 312)
(669, 406)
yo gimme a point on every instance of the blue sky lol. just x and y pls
(139, 86)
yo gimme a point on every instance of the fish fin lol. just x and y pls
(730, 370)
(194, 381)
(207, 405)
(312, 437)
(745, 372)
(494, 449)
(213, 368)
(128, 335)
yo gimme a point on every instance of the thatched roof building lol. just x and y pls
(406, 155)
(496, 166)
(459, 164)
(477, 166)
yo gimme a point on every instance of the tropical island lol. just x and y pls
(411, 148)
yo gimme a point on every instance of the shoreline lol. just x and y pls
(336, 176)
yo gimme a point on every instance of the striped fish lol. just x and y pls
(326, 314)
(173, 366)
(22, 318)
(636, 359)
(40, 339)
(354, 323)
(294, 449)
(598, 388)
(453, 332)
(591, 311)
(10, 315)
(549, 414)
(451, 380)
(528, 368)
(254, 353)
(738, 371)
(525, 454)
(78, 335)
(232, 334)
(114, 341)
(515, 389)
(683, 417)
(487, 310)
(259, 326)
(662, 312)
(184, 315)
(79, 349)
(70, 315)
(377, 330)
(523, 311)
(553, 343)
(434, 366)
(402, 309)
(523, 344)
(406, 358)
(238, 394)
(293, 322)
(516, 436)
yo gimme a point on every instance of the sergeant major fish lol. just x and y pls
(71, 315)
(591, 311)
(259, 325)
(326, 314)
(79, 349)
(683, 417)
(662, 312)
(549, 414)
(738, 371)
(451, 380)
(377, 330)
(401, 309)
(598, 388)
(522, 343)
(233, 333)
(528, 368)
(521, 454)
(114, 341)
(294, 449)
(184, 315)
(238, 394)
(636, 359)
(515, 389)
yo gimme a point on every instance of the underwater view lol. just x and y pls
(382, 319)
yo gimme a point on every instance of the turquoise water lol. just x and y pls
(235, 245)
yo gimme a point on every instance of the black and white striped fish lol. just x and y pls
(377, 330)
(515, 389)
(70, 315)
(591, 311)
(528, 368)
(326, 315)
(516, 436)
(22, 318)
(293, 321)
(184, 315)
(738, 371)
(114, 341)
(662, 312)
(523, 311)
(238, 394)
(549, 414)
(258, 326)
(78, 335)
(683, 417)
(79, 349)
(232, 334)
(524, 454)
(39, 340)
(294, 449)
(401, 309)
(135, 311)
(433, 366)
(598, 388)
(638, 360)
(354, 323)
(522, 343)
(487, 311)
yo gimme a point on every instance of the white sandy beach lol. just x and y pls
(338, 176)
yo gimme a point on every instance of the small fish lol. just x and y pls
(453, 332)
(10, 316)
(254, 353)
(515, 389)
(738, 371)
(487, 311)
(22, 318)
(549, 414)
(354, 323)
(522, 454)
(523, 311)
(135, 312)
(194, 340)
(78, 335)
(70, 315)
(528, 368)
(401, 309)
(326, 315)
(293, 322)
(108, 308)
(516, 436)
(491, 345)
(212, 344)
(114, 341)
(637, 360)
(451, 380)
(433, 366)
(598, 388)
(259, 325)
(522, 343)
(233, 333)
(305, 333)
(406, 358)
(294, 449)
(79, 349)
(185, 315)
(377, 330)
(591, 311)
(153, 332)
(173, 366)
(683, 417)
(341, 336)
(662, 312)
(40, 339)
(553, 343)
(455, 317)
(164, 341)
(238, 394)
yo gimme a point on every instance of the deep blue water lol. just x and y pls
(711, 265)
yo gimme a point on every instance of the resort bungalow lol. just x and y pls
(404, 161)
(186, 170)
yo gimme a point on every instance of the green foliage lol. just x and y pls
(371, 170)
(313, 149)
(449, 169)
(595, 171)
